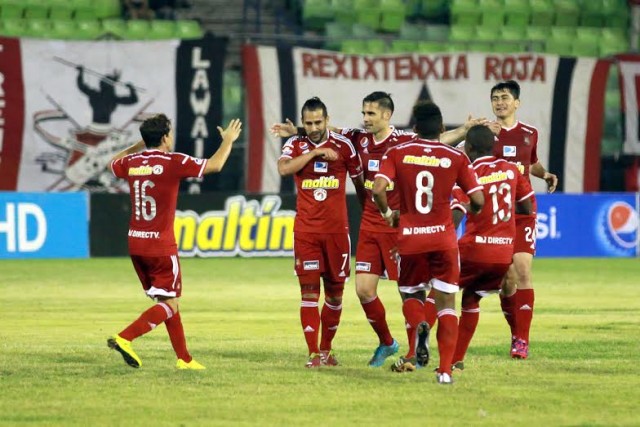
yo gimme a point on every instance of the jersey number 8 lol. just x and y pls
(423, 191)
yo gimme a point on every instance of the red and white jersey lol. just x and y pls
(154, 179)
(489, 236)
(424, 173)
(371, 152)
(321, 185)
(519, 144)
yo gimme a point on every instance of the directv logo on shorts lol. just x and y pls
(618, 228)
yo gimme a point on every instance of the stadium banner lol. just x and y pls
(588, 225)
(243, 225)
(66, 107)
(562, 96)
(629, 77)
(44, 225)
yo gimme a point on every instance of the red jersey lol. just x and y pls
(154, 178)
(519, 144)
(489, 236)
(371, 152)
(425, 173)
(321, 185)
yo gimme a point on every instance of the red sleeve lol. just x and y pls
(187, 166)
(119, 167)
(458, 197)
(523, 187)
(467, 179)
(288, 148)
(534, 148)
(354, 163)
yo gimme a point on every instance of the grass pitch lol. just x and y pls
(241, 320)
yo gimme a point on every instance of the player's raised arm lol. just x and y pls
(454, 136)
(284, 130)
(229, 135)
(129, 150)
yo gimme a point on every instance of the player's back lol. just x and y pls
(154, 179)
(425, 172)
(489, 235)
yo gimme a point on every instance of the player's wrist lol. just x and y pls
(387, 214)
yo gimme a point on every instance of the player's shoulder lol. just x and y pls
(299, 141)
(526, 127)
(341, 141)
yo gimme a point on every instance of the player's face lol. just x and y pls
(375, 118)
(315, 125)
(504, 104)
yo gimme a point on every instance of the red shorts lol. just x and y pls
(525, 234)
(327, 254)
(440, 269)
(482, 276)
(373, 254)
(159, 275)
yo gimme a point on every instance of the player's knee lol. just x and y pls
(333, 292)
(310, 286)
(365, 291)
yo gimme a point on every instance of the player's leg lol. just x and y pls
(373, 260)
(508, 299)
(308, 256)
(337, 267)
(445, 269)
(524, 304)
(412, 280)
(158, 279)
(430, 310)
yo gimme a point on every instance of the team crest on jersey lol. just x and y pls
(158, 169)
(445, 163)
(373, 165)
(508, 151)
(320, 194)
(311, 265)
(365, 142)
(320, 167)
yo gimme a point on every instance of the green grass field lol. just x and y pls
(241, 320)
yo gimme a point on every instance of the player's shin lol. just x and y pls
(331, 312)
(447, 337)
(176, 335)
(413, 310)
(309, 315)
(147, 321)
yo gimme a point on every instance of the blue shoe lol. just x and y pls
(422, 344)
(382, 352)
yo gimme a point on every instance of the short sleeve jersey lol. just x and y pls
(321, 185)
(489, 235)
(154, 179)
(425, 172)
(371, 152)
(519, 144)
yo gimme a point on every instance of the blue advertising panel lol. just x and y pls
(44, 225)
(588, 225)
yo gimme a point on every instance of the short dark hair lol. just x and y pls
(428, 119)
(382, 98)
(313, 104)
(479, 141)
(154, 128)
(510, 85)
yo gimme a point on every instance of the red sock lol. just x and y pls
(376, 315)
(310, 319)
(147, 321)
(466, 328)
(413, 310)
(330, 320)
(524, 312)
(508, 304)
(430, 309)
(447, 336)
(176, 335)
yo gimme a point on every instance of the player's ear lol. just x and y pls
(517, 104)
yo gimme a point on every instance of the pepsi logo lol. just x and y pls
(622, 225)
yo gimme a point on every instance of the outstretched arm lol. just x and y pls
(291, 166)
(454, 136)
(229, 135)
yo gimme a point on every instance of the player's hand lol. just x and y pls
(471, 122)
(552, 181)
(326, 154)
(232, 131)
(284, 130)
(394, 219)
(494, 127)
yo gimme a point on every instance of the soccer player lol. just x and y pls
(425, 171)
(486, 248)
(374, 257)
(154, 176)
(517, 142)
(320, 162)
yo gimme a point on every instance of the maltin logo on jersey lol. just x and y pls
(618, 228)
